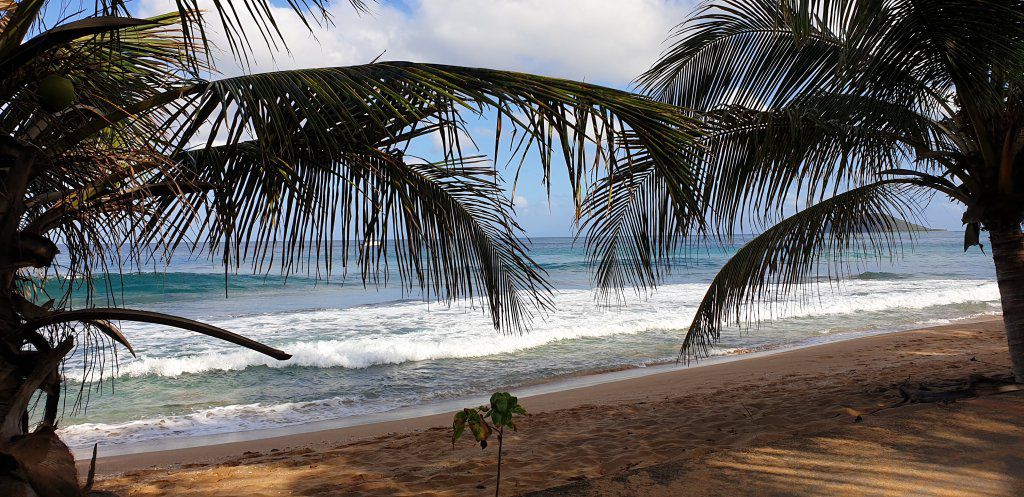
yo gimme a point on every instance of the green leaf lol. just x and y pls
(459, 425)
(503, 407)
(480, 429)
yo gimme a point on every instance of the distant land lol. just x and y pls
(898, 224)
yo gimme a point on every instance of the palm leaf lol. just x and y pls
(238, 19)
(61, 35)
(806, 100)
(761, 53)
(758, 162)
(301, 149)
(388, 98)
(267, 168)
(637, 218)
(446, 226)
(817, 242)
(18, 19)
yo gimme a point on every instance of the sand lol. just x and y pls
(800, 422)
(968, 448)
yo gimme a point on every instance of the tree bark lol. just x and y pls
(1008, 255)
(32, 463)
(12, 479)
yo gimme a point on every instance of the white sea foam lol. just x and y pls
(402, 332)
(945, 321)
(184, 384)
(220, 419)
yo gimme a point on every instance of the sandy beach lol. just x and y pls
(812, 421)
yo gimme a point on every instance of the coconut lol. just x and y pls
(55, 93)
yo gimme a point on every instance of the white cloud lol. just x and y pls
(608, 41)
(521, 203)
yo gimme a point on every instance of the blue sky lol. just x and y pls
(601, 41)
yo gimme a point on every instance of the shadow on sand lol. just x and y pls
(971, 448)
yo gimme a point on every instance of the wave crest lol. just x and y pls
(362, 337)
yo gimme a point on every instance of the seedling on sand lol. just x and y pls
(500, 413)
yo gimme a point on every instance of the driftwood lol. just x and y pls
(924, 395)
(976, 385)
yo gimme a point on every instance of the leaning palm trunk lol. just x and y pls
(1008, 254)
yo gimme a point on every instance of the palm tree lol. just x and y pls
(857, 110)
(117, 149)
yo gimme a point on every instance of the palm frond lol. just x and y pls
(639, 216)
(789, 259)
(239, 19)
(61, 35)
(114, 63)
(447, 226)
(18, 20)
(286, 155)
(750, 52)
(805, 100)
(759, 162)
(297, 159)
(762, 53)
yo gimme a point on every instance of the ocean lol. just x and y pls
(358, 351)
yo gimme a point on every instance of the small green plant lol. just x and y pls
(504, 407)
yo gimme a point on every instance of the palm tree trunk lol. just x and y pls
(1008, 254)
(10, 373)
(10, 481)
(32, 463)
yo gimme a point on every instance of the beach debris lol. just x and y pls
(976, 385)
(923, 395)
(975, 359)
(856, 414)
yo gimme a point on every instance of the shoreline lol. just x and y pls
(547, 386)
(610, 387)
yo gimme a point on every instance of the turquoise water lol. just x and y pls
(359, 351)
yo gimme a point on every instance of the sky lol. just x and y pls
(607, 42)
